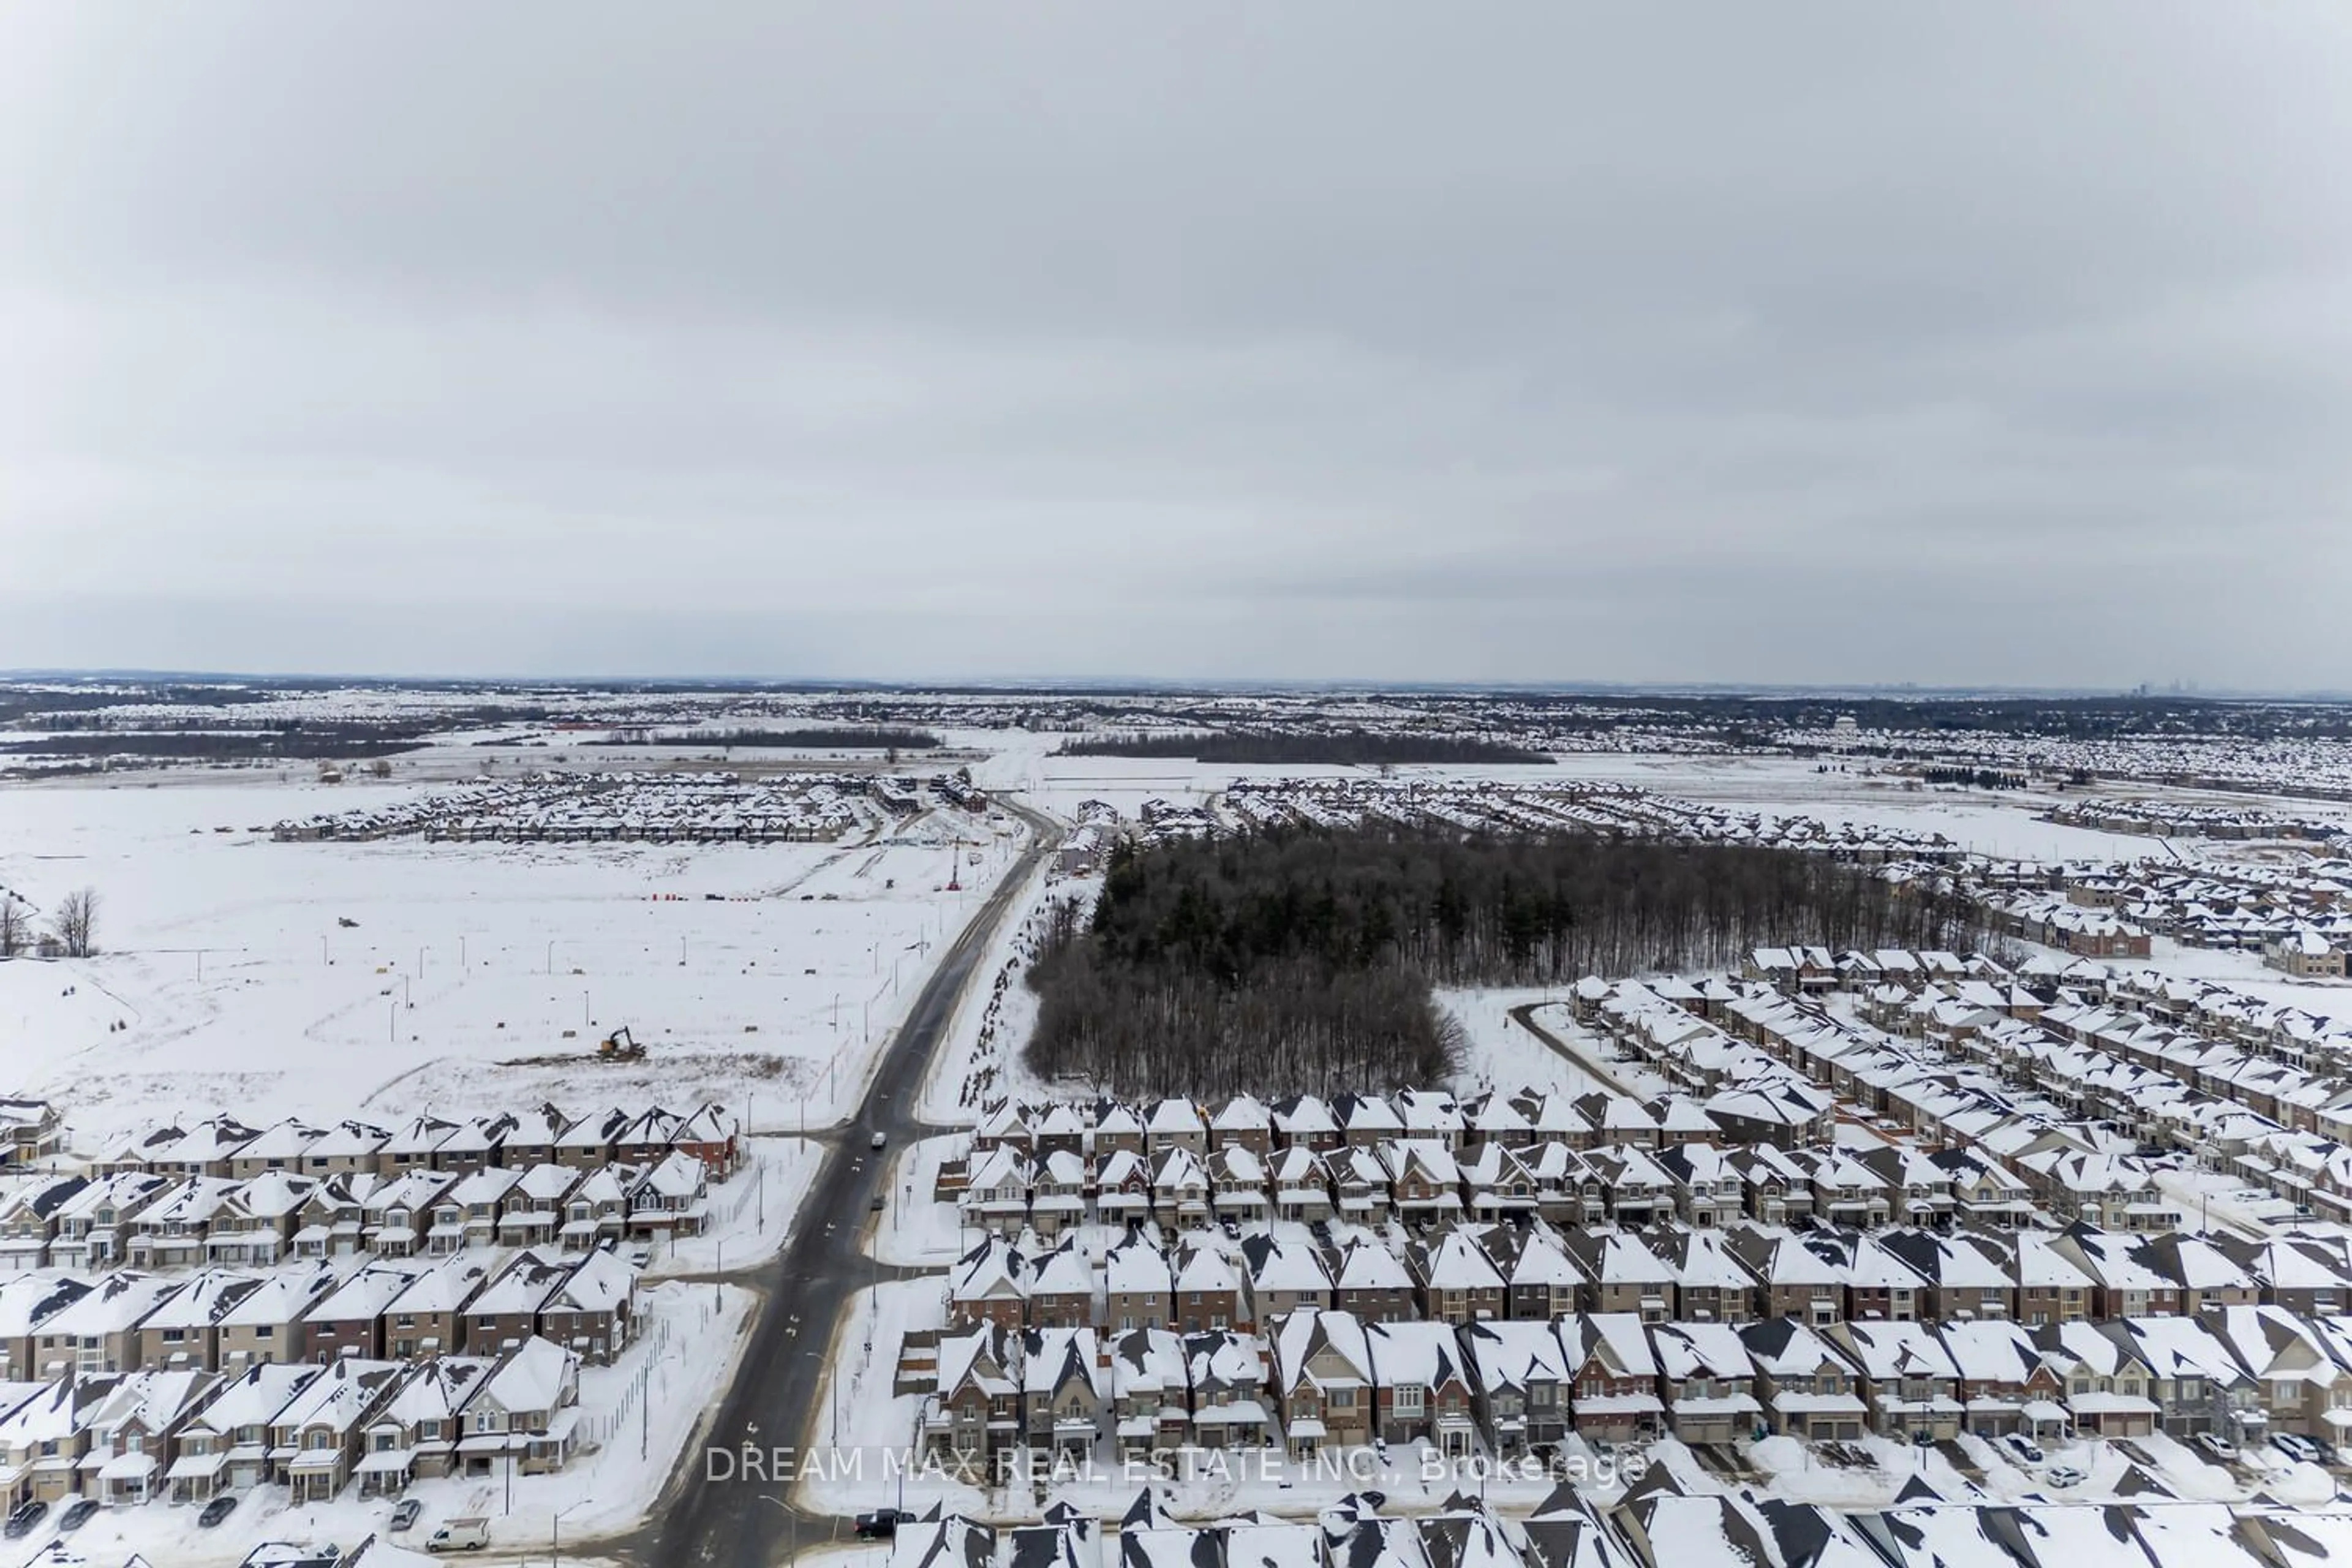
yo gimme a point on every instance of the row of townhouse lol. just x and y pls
(1819, 1273)
(576, 809)
(228, 1320)
(1321, 1379)
(1662, 1522)
(2057, 920)
(187, 1436)
(546, 1135)
(149, 1219)
(1423, 1185)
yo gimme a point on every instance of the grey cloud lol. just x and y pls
(1821, 341)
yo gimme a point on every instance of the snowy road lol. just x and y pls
(780, 1379)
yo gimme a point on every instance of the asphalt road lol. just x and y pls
(772, 1402)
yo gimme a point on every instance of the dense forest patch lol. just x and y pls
(1301, 960)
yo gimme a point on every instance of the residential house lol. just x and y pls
(594, 1312)
(1521, 1381)
(314, 1439)
(266, 1325)
(1421, 1392)
(223, 1448)
(1806, 1386)
(1707, 1380)
(524, 1417)
(1322, 1379)
(1613, 1377)
(1907, 1377)
(183, 1332)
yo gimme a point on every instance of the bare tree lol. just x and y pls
(16, 933)
(75, 922)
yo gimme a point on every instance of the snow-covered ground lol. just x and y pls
(1501, 1054)
(471, 976)
(918, 1231)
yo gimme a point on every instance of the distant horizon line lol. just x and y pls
(1018, 684)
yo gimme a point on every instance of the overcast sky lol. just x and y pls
(1973, 344)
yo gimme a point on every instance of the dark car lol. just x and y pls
(20, 1523)
(77, 1514)
(219, 1509)
(882, 1523)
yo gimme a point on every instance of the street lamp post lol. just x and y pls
(792, 1520)
(554, 1527)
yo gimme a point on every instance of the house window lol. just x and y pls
(1408, 1399)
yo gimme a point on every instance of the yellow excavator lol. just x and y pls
(619, 1045)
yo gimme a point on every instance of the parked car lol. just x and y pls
(77, 1514)
(460, 1535)
(2062, 1476)
(21, 1522)
(404, 1517)
(882, 1523)
(2303, 1450)
(2216, 1447)
(219, 1509)
(2023, 1448)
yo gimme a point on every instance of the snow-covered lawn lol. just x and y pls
(917, 1230)
(1503, 1054)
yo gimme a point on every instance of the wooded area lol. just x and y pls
(1301, 960)
(1354, 748)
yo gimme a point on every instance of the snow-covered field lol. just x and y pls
(469, 976)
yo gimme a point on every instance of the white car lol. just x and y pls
(879, 1139)
(2062, 1476)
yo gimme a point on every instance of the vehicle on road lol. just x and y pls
(2022, 1447)
(219, 1509)
(460, 1535)
(2216, 1447)
(2062, 1476)
(77, 1514)
(878, 1204)
(21, 1522)
(404, 1517)
(879, 1139)
(882, 1523)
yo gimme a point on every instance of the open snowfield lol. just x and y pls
(474, 975)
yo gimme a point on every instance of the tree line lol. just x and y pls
(73, 928)
(1301, 960)
(1354, 748)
